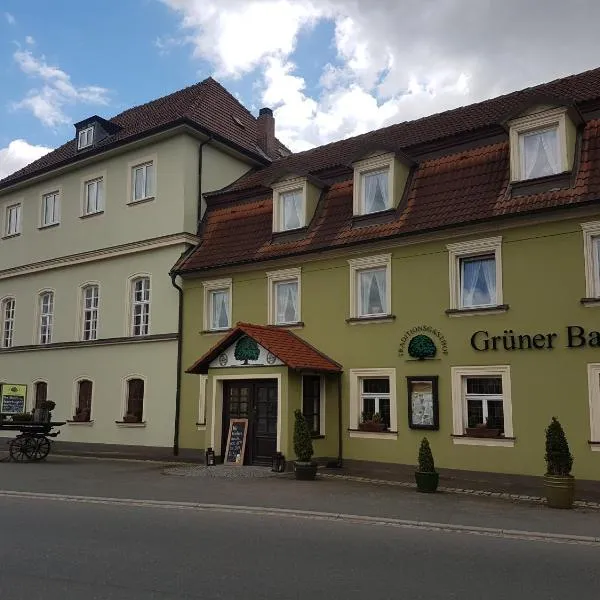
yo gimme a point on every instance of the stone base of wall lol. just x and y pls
(472, 480)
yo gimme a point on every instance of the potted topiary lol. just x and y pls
(42, 413)
(426, 476)
(304, 467)
(558, 481)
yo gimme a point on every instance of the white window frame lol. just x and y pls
(201, 423)
(298, 184)
(8, 230)
(355, 379)
(593, 370)
(142, 165)
(533, 123)
(364, 264)
(7, 324)
(591, 233)
(459, 404)
(86, 212)
(85, 137)
(125, 396)
(474, 249)
(369, 165)
(283, 276)
(216, 285)
(75, 401)
(55, 196)
(96, 310)
(144, 304)
(46, 319)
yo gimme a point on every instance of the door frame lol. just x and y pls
(217, 405)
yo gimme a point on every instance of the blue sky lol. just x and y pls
(329, 68)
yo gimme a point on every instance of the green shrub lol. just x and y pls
(302, 441)
(426, 464)
(559, 460)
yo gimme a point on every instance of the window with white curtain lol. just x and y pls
(219, 309)
(375, 191)
(370, 282)
(142, 185)
(284, 301)
(478, 281)
(50, 209)
(46, 317)
(291, 211)
(540, 153)
(90, 300)
(8, 322)
(140, 306)
(94, 196)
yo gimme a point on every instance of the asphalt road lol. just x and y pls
(62, 550)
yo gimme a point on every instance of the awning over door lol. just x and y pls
(257, 345)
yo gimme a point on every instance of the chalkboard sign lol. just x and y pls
(13, 398)
(236, 442)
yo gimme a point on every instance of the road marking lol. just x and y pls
(517, 534)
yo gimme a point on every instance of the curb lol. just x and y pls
(314, 515)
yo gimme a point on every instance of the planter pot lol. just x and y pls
(305, 471)
(482, 432)
(560, 491)
(372, 427)
(41, 415)
(427, 482)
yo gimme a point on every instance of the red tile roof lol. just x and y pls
(207, 105)
(285, 345)
(463, 186)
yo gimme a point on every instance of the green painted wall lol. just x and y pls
(544, 280)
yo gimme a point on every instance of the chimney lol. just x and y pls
(266, 131)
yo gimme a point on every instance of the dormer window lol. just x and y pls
(375, 195)
(291, 213)
(542, 143)
(85, 137)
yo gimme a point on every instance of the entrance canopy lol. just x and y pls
(258, 345)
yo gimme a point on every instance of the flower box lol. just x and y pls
(372, 426)
(483, 432)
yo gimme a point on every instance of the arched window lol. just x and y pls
(41, 393)
(90, 301)
(135, 401)
(140, 306)
(83, 408)
(46, 317)
(7, 323)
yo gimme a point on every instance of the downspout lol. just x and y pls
(339, 458)
(179, 360)
(200, 155)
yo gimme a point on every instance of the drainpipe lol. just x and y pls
(200, 154)
(179, 360)
(339, 458)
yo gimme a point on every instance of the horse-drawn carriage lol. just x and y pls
(33, 441)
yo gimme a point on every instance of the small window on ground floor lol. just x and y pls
(83, 408)
(375, 400)
(311, 402)
(135, 401)
(484, 401)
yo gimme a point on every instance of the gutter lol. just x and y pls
(179, 361)
(200, 162)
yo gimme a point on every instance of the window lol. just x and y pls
(135, 401)
(217, 305)
(591, 248)
(12, 225)
(289, 204)
(85, 137)
(311, 403)
(374, 191)
(481, 395)
(594, 399)
(541, 144)
(476, 274)
(41, 393)
(284, 297)
(46, 317)
(91, 295)
(370, 287)
(93, 201)
(373, 392)
(83, 407)
(8, 322)
(50, 209)
(142, 182)
(291, 210)
(140, 303)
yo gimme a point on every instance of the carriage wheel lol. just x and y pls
(21, 448)
(40, 448)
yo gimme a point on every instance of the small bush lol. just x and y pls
(426, 464)
(559, 460)
(302, 441)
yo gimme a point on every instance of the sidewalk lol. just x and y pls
(184, 483)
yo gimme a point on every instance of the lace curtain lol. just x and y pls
(291, 210)
(220, 310)
(376, 191)
(479, 282)
(372, 292)
(540, 154)
(287, 302)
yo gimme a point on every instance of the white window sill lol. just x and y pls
(594, 446)
(294, 325)
(201, 426)
(91, 214)
(590, 301)
(49, 225)
(141, 200)
(130, 425)
(11, 235)
(480, 310)
(475, 441)
(387, 318)
(374, 435)
(216, 331)
(81, 423)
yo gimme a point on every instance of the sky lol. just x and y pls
(329, 68)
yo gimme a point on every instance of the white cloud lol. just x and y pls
(396, 59)
(29, 40)
(18, 154)
(49, 101)
(10, 18)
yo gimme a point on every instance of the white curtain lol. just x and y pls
(292, 210)
(376, 191)
(541, 154)
(287, 302)
(220, 310)
(372, 292)
(479, 282)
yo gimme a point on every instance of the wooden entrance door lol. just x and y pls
(255, 400)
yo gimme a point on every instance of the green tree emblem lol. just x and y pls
(246, 349)
(421, 346)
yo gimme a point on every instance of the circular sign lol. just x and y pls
(271, 358)
(223, 360)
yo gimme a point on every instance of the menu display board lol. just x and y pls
(13, 398)
(236, 442)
